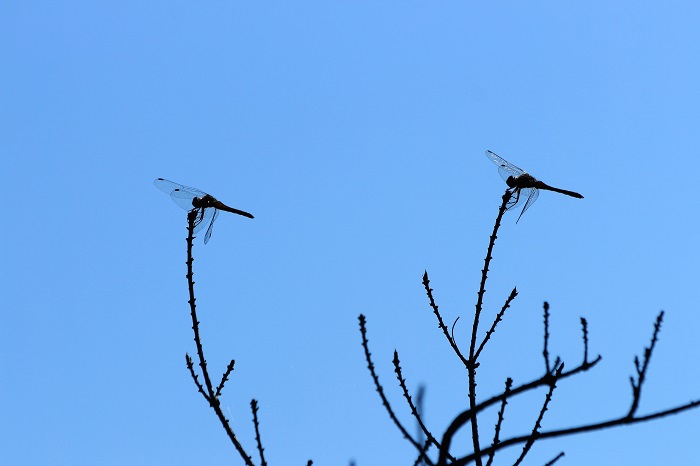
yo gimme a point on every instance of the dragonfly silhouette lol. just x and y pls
(525, 186)
(190, 198)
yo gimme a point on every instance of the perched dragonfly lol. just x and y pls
(190, 198)
(525, 186)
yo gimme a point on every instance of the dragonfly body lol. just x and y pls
(525, 186)
(210, 201)
(207, 206)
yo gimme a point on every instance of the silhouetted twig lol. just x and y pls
(441, 323)
(642, 368)
(464, 417)
(472, 364)
(414, 411)
(584, 328)
(498, 318)
(555, 459)
(210, 394)
(224, 378)
(499, 422)
(254, 408)
(195, 377)
(545, 352)
(380, 389)
(538, 424)
(422, 453)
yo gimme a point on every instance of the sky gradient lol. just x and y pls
(355, 133)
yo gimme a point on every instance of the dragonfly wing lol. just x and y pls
(203, 218)
(505, 168)
(183, 199)
(531, 198)
(211, 225)
(168, 187)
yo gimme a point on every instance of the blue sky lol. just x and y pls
(355, 133)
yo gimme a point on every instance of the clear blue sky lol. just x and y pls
(355, 133)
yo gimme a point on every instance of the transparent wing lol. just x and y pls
(169, 186)
(203, 218)
(531, 198)
(505, 168)
(211, 225)
(183, 199)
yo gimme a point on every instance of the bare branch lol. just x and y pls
(224, 378)
(472, 364)
(538, 424)
(254, 408)
(498, 318)
(195, 377)
(441, 323)
(623, 420)
(555, 459)
(499, 423)
(414, 410)
(545, 352)
(378, 386)
(422, 454)
(642, 369)
(210, 394)
(584, 327)
(465, 416)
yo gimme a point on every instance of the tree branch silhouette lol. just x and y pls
(207, 391)
(554, 373)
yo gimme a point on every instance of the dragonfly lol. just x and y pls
(207, 206)
(525, 187)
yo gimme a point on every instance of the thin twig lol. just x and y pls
(195, 377)
(441, 323)
(584, 327)
(224, 378)
(465, 416)
(555, 459)
(545, 352)
(499, 423)
(498, 318)
(379, 388)
(623, 420)
(472, 364)
(642, 369)
(422, 453)
(254, 408)
(210, 393)
(409, 400)
(534, 435)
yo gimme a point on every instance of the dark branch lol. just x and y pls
(254, 408)
(378, 386)
(414, 410)
(472, 365)
(584, 327)
(498, 318)
(210, 394)
(465, 416)
(555, 459)
(499, 423)
(538, 424)
(545, 352)
(642, 370)
(195, 377)
(441, 323)
(623, 420)
(224, 378)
